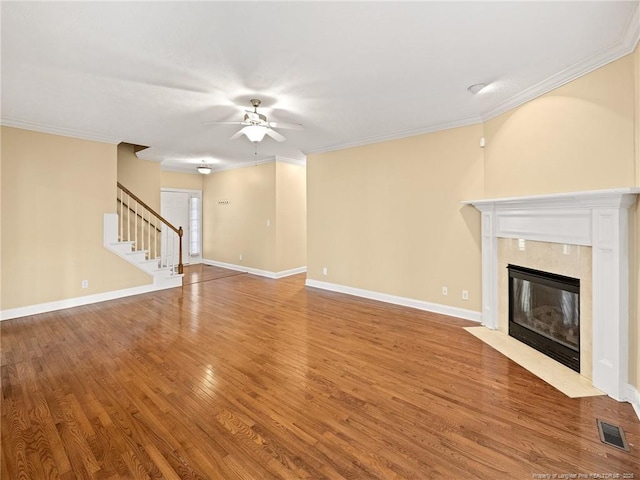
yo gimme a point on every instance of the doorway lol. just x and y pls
(183, 208)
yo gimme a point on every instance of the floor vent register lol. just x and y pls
(612, 435)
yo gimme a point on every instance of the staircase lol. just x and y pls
(143, 238)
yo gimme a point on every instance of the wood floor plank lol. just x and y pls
(235, 376)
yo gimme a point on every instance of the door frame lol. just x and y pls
(192, 193)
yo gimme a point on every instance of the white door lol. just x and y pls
(184, 209)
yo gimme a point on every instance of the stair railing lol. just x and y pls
(149, 231)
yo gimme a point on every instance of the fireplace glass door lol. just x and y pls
(544, 312)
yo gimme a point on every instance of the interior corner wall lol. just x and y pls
(636, 73)
(1, 133)
(183, 181)
(387, 217)
(291, 216)
(141, 177)
(59, 189)
(634, 322)
(239, 212)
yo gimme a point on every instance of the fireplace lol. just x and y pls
(544, 313)
(597, 219)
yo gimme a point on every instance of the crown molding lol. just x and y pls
(294, 161)
(465, 122)
(631, 34)
(625, 45)
(216, 169)
(144, 155)
(65, 132)
(190, 170)
(235, 166)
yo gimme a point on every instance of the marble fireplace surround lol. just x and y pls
(599, 219)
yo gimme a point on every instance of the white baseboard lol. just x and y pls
(633, 397)
(292, 271)
(255, 271)
(403, 301)
(230, 266)
(79, 301)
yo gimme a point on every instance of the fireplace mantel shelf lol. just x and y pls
(597, 218)
(576, 199)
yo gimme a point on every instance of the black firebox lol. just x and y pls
(544, 313)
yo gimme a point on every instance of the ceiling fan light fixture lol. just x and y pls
(204, 169)
(255, 133)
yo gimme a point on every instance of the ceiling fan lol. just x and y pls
(256, 125)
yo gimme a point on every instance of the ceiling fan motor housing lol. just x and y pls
(255, 118)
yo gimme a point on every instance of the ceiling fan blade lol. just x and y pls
(290, 126)
(275, 135)
(222, 123)
(237, 134)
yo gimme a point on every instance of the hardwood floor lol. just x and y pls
(204, 273)
(240, 377)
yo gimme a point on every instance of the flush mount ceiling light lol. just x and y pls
(477, 88)
(204, 169)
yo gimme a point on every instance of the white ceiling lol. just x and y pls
(152, 73)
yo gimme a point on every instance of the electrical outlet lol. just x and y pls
(445, 291)
(85, 283)
(521, 244)
(240, 257)
(465, 294)
(324, 270)
(268, 223)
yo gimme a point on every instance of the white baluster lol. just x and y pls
(135, 227)
(121, 232)
(171, 248)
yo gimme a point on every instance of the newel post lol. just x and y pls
(180, 266)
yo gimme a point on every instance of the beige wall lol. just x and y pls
(257, 212)
(239, 227)
(1, 215)
(387, 217)
(55, 192)
(291, 216)
(577, 137)
(636, 72)
(634, 323)
(184, 181)
(141, 177)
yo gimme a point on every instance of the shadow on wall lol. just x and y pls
(472, 220)
(559, 143)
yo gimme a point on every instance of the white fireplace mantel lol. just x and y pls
(598, 219)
